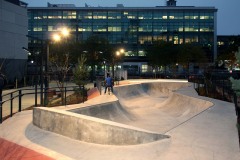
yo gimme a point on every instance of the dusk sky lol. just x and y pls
(228, 20)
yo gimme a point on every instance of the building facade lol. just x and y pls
(131, 28)
(13, 31)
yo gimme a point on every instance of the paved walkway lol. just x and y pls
(209, 135)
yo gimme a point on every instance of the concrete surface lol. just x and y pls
(90, 129)
(203, 133)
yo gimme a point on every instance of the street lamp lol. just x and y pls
(118, 54)
(63, 34)
(55, 37)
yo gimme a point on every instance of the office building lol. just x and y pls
(131, 28)
(13, 31)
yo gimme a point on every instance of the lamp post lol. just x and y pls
(59, 67)
(29, 53)
(41, 68)
(46, 81)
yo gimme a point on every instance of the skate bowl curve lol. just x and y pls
(152, 106)
(143, 113)
(91, 129)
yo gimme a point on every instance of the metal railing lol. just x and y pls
(20, 93)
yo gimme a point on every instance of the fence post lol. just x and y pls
(236, 103)
(65, 96)
(11, 104)
(0, 112)
(223, 89)
(36, 94)
(83, 93)
(20, 100)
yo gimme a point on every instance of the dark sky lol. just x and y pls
(228, 17)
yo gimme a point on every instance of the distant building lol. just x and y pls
(13, 31)
(132, 28)
(224, 41)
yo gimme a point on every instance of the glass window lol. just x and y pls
(37, 29)
(141, 53)
(114, 15)
(37, 15)
(191, 15)
(206, 15)
(132, 15)
(85, 15)
(175, 15)
(191, 39)
(175, 27)
(99, 27)
(191, 27)
(178, 15)
(85, 27)
(144, 68)
(160, 15)
(114, 29)
(145, 15)
(159, 37)
(99, 15)
(44, 15)
(55, 15)
(159, 27)
(206, 27)
(69, 14)
(145, 27)
(145, 39)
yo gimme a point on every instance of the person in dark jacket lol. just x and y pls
(108, 83)
(3, 82)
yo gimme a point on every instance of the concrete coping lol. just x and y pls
(91, 129)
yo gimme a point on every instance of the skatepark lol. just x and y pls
(143, 119)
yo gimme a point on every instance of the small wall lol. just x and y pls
(90, 129)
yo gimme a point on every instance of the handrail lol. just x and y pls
(20, 94)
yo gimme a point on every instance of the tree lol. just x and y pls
(94, 47)
(161, 53)
(189, 53)
(60, 64)
(80, 72)
(228, 51)
(236, 88)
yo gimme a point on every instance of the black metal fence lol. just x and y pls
(13, 101)
(218, 85)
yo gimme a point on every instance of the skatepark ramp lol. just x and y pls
(90, 129)
(142, 113)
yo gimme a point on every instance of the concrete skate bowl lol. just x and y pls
(151, 106)
(91, 129)
(143, 114)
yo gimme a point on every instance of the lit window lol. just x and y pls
(220, 43)
(141, 53)
(164, 17)
(144, 68)
(69, 14)
(37, 29)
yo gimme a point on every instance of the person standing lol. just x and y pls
(108, 83)
(3, 82)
